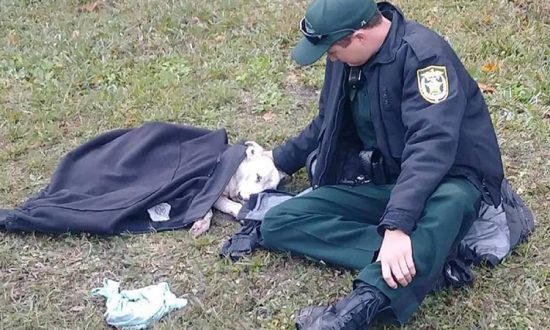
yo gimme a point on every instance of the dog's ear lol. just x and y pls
(253, 149)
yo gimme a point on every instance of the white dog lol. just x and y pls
(256, 173)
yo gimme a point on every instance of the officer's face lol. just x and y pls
(357, 52)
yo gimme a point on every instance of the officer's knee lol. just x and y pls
(456, 192)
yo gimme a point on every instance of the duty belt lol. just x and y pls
(372, 163)
(372, 170)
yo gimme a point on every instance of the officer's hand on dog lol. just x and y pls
(396, 259)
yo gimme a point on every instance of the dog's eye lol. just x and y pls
(258, 178)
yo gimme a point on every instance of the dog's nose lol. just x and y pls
(239, 196)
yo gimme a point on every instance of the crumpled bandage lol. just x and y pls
(137, 309)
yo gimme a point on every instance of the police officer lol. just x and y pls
(400, 156)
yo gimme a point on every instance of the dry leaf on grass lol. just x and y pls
(13, 39)
(195, 20)
(486, 88)
(90, 7)
(77, 309)
(268, 116)
(489, 67)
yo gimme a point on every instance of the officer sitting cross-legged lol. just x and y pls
(400, 156)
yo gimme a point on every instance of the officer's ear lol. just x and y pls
(360, 35)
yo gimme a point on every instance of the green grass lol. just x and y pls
(66, 76)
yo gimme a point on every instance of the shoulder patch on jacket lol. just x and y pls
(433, 83)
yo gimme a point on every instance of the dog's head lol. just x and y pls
(256, 173)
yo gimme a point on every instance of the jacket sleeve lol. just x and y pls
(290, 156)
(432, 128)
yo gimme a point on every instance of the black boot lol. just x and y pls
(356, 311)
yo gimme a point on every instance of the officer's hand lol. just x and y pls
(396, 258)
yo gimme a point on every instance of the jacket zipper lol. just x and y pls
(338, 109)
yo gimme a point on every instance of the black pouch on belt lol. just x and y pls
(372, 163)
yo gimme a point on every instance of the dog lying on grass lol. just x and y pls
(256, 173)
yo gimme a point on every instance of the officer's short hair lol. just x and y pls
(375, 20)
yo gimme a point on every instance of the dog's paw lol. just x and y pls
(199, 228)
(201, 225)
(235, 209)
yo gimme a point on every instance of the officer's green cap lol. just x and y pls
(327, 21)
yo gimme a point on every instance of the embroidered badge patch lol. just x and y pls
(433, 83)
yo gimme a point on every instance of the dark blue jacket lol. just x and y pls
(421, 141)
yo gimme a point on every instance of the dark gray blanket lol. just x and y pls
(155, 177)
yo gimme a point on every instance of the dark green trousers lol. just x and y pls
(337, 224)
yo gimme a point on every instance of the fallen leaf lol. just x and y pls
(486, 88)
(195, 20)
(431, 20)
(90, 7)
(75, 34)
(77, 309)
(13, 39)
(487, 19)
(268, 116)
(489, 67)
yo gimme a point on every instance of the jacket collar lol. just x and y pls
(394, 39)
